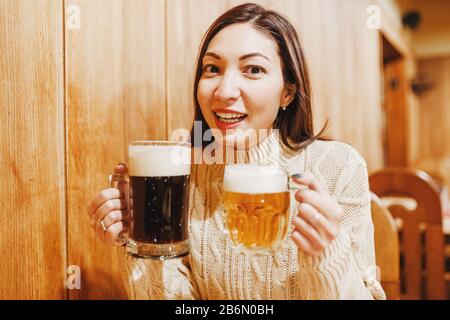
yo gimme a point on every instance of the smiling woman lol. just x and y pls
(259, 82)
(251, 76)
(240, 88)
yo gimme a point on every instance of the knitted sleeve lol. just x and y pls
(346, 269)
(152, 279)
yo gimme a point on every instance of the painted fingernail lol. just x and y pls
(297, 176)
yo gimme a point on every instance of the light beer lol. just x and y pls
(257, 201)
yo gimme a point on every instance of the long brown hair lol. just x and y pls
(296, 122)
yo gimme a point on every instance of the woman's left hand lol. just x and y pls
(319, 216)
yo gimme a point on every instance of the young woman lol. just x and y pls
(251, 68)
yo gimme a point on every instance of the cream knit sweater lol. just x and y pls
(214, 270)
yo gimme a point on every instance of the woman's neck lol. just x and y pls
(269, 150)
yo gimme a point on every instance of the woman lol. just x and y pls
(251, 69)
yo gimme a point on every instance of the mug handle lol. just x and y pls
(294, 187)
(113, 182)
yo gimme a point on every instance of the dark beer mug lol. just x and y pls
(159, 199)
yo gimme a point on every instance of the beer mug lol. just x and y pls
(158, 175)
(257, 206)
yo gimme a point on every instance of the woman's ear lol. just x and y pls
(288, 94)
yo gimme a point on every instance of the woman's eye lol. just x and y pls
(210, 68)
(255, 70)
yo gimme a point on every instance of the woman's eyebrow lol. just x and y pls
(253, 54)
(245, 56)
(212, 54)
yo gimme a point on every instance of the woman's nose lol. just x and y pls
(228, 88)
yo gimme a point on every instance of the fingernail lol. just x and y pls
(297, 176)
(122, 164)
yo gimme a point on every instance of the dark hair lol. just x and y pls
(296, 122)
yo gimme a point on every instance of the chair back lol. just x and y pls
(420, 231)
(387, 251)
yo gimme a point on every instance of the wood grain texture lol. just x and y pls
(434, 109)
(341, 52)
(396, 114)
(115, 94)
(433, 123)
(32, 232)
(392, 29)
(186, 23)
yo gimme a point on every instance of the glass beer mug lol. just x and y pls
(158, 175)
(257, 206)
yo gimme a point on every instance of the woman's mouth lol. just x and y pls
(228, 120)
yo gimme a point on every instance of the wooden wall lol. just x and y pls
(32, 189)
(115, 93)
(434, 123)
(393, 30)
(75, 97)
(435, 109)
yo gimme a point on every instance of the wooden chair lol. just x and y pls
(421, 236)
(387, 251)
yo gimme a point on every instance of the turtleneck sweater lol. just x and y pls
(214, 269)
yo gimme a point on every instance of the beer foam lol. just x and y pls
(254, 179)
(159, 161)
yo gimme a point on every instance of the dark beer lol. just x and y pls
(159, 210)
(159, 181)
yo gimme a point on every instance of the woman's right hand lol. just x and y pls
(110, 206)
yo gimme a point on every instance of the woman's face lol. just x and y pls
(242, 84)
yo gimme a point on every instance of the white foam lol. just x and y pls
(256, 179)
(159, 161)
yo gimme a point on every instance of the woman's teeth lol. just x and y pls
(229, 117)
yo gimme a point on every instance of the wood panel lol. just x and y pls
(434, 109)
(342, 55)
(396, 114)
(115, 94)
(32, 232)
(392, 28)
(433, 123)
(187, 21)
(345, 73)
